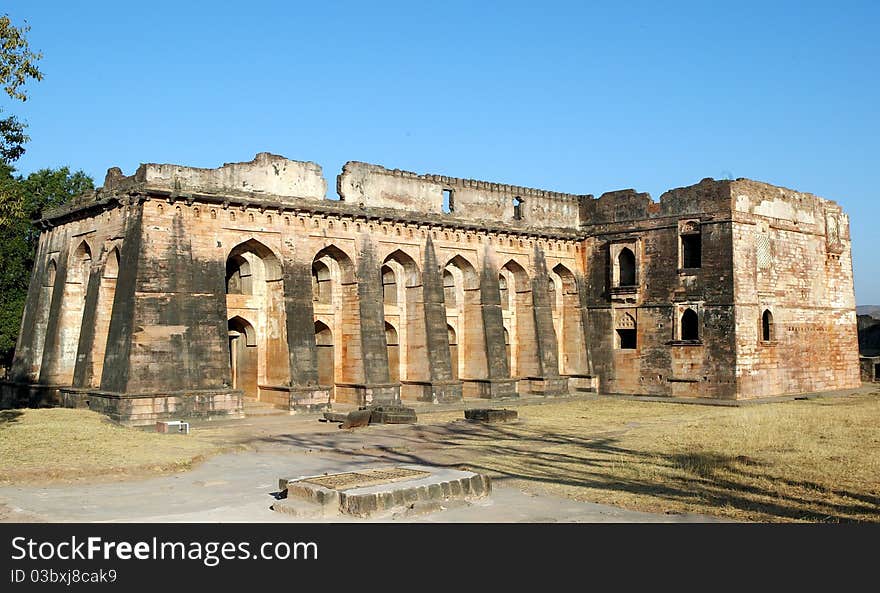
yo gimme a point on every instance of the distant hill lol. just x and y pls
(872, 310)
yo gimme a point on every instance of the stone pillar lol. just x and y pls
(498, 382)
(549, 382)
(25, 365)
(442, 386)
(305, 393)
(587, 381)
(377, 387)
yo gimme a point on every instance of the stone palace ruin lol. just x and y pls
(179, 292)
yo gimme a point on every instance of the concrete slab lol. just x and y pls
(363, 493)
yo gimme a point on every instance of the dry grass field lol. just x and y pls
(38, 445)
(811, 460)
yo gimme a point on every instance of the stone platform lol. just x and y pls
(366, 492)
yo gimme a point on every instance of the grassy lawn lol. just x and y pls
(64, 444)
(813, 460)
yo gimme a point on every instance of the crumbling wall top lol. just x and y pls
(267, 174)
(468, 199)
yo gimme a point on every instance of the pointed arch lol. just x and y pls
(326, 355)
(626, 265)
(80, 264)
(767, 326)
(346, 264)
(520, 275)
(271, 261)
(51, 271)
(412, 274)
(470, 278)
(244, 356)
(111, 265)
(690, 325)
(245, 327)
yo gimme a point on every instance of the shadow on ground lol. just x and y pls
(705, 482)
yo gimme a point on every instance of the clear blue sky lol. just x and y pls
(574, 96)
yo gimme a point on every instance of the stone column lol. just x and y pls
(24, 363)
(377, 387)
(168, 339)
(443, 388)
(549, 382)
(305, 393)
(498, 382)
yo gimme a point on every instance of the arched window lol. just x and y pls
(690, 325)
(505, 297)
(767, 326)
(389, 285)
(111, 266)
(626, 267)
(449, 290)
(626, 332)
(322, 287)
(238, 276)
(50, 274)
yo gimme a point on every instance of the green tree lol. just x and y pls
(22, 199)
(17, 66)
(31, 197)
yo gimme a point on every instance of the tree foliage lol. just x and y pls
(22, 200)
(17, 66)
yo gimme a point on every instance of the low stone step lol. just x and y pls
(300, 508)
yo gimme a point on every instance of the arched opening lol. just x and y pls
(336, 301)
(449, 293)
(103, 313)
(326, 355)
(507, 349)
(393, 352)
(50, 274)
(111, 267)
(255, 292)
(626, 267)
(453, 349)
(767, 326)
(243, 357)
(569, 325)
(467, 318)
(626, 332)
(322, 284)
(60, 370)
(238, 276)
(690, 325)
(502, 290)
(521, 321)
(389, 285)
(551, 295)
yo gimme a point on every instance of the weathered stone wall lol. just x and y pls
(661, 363)
(267, 174)
(376, 186)
(793, 259)
(183, 291)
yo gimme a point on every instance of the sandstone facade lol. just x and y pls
(179, 291)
